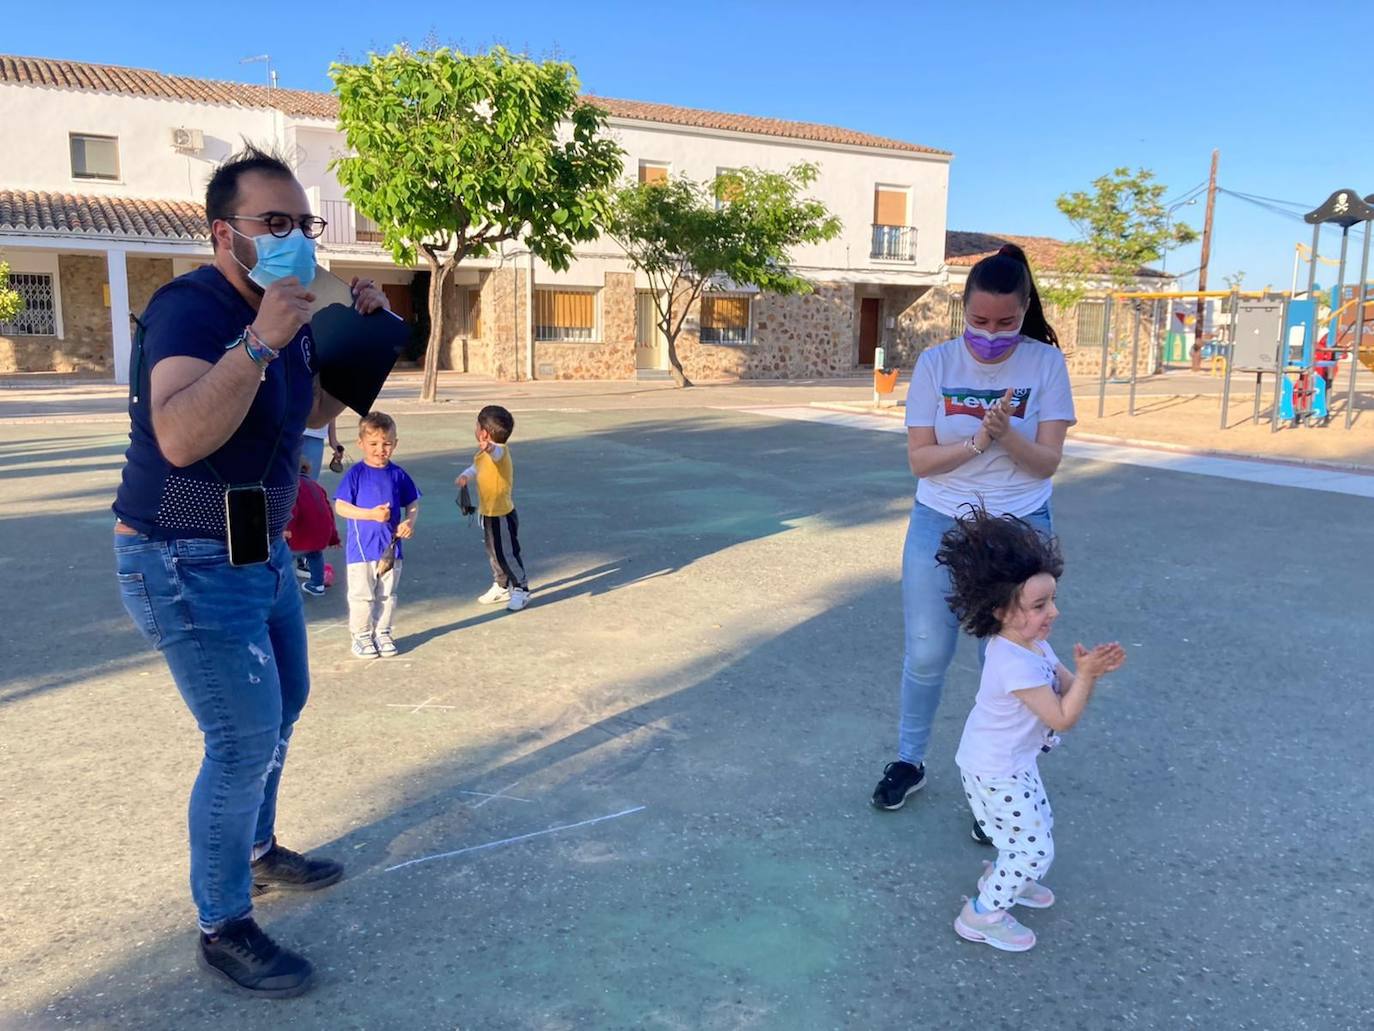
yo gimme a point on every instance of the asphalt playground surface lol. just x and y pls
(643, 802)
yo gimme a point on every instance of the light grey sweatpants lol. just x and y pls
(371, 598)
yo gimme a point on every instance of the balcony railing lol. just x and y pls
(894, 243)
(347, 225)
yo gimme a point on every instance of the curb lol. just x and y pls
(1148, 445)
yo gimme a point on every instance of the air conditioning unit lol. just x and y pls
(191, 140)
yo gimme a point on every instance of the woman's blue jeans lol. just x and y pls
(932, 632)
(234, 640)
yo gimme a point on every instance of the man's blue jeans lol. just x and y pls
(932, 632)
(234, 639)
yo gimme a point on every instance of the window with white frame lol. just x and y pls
(39, 315)
(1091, 318)
(727, 191)
(725, 318)
(94, 157)
(653, 172)
(564, 314)
(956, 316)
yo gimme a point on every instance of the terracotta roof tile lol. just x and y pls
(671, 115)
(967, 249)
(30, 212)
(41, 71)
(106, 78)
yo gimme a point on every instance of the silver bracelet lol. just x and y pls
(974, 447)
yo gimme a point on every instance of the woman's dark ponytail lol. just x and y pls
(1009, 272)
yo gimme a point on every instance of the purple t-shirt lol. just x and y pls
(367, 487)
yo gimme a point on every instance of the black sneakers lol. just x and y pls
(284, 870)
(253, 963)
(900, 779)
(979, 836)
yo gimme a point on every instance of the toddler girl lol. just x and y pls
(1004, 575)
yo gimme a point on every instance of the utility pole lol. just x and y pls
(1202, 269)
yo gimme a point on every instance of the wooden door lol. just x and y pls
(398, 296)
(870, 315)
(651, 351)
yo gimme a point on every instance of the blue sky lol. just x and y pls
(1034, 100)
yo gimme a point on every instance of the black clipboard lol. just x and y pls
(354, 353)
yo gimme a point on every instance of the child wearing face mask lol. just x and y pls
(1004, 574)
(986, 417)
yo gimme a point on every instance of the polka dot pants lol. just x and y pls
(1015, 813)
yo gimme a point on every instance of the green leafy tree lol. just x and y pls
(738, 230)
(451, 154)
(1122, 225)
(11, 304)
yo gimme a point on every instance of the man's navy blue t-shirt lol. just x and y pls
(198, 314)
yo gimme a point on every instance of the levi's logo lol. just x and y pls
(967, 401)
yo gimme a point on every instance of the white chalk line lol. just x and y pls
(426, 704)
(489, 796)
(518, 837)
(500, 793)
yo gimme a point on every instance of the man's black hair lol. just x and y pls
(498, 422)
(222, 192)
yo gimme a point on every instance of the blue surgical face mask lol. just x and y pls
(281, 256)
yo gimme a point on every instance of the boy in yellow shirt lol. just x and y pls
(494, 475)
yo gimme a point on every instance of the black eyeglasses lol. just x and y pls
(280, 224)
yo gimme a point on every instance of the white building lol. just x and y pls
(102, 183)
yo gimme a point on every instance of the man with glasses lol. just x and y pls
(222, 385)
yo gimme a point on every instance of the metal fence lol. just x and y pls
(894, 243)
(38, 317)
(1092, 323)
(347, 225)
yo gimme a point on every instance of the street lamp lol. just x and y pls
(1168, 217)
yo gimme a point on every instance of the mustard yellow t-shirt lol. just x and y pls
(495, 483)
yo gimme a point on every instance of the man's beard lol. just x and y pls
(244, 266)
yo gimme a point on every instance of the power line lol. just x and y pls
(1265, 205)
(1273, 208)
(1275, 200)
(1186, 194)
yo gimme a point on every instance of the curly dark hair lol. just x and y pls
(989, 559)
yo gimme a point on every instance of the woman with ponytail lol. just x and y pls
(986, 416)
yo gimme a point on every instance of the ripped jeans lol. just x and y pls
(931, 629)
(234, 640)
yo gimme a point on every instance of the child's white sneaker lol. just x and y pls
(364, 648)
(519, 598)
(1033, 894)
(386, 646)
(999, 929)
(496, 595)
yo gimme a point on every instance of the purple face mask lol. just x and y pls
(989, 347)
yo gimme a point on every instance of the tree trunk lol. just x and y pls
(679, 376)
(438, 277)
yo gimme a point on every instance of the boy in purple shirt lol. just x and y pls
(371, 496)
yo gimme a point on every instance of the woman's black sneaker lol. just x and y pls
(284, 870)
(247, 959)
(900, 779)
(979, 836)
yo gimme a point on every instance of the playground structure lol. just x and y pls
(1280, 334)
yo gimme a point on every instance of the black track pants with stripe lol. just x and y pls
(502, 535)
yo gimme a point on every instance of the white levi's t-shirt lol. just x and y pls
(1002, 737)
(951, 391)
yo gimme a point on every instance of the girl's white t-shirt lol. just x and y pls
(1002, 737)
(951, 391)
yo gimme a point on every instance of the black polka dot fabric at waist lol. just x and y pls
(198, 505)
